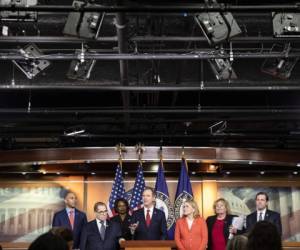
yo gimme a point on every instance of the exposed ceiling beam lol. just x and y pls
(147, 38)
(191, 8)
(109, 154)
(232, 85)
(197, 55)
(237, 110)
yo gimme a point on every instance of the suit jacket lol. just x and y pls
(126, 234)
(210, 221)
(61, 219)
(191, 239)
(91, 239)
(270, 216)
(157, 229)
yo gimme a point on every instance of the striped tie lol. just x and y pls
(71, 218)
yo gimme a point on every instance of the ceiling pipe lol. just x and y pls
(74, 40)
(157, 110)
(190, 8)
(234, 85)
(145, 56)
(122, 30)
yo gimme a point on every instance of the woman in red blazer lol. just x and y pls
(191, 229)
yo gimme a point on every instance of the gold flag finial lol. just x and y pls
(140, 149)
(182, 153)
(121, 149)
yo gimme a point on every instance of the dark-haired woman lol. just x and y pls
(121, 207)
(264, 236)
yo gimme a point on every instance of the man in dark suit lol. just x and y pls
(262, 213)
(101, 234)
(71, 218)
(149, 222)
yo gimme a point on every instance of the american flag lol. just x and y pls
(138, 189)
(118, 189)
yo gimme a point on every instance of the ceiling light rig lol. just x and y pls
(84, 24)
(280, 67)
(18, 15)
(31, 66)
(81, 68)
(222, 67)
(217, 27)
(286, 24)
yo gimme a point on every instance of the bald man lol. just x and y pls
(71, 218)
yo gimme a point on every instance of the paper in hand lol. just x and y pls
(238, 222)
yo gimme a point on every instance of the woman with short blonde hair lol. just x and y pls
(226, 204)
(220, 225)
(191, 229)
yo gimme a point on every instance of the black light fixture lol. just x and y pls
(84, 24)
(286, 24)
(280, 67)
(30, 65)
(81, 68)
(222, 69)
(217, 26)
(18, 15)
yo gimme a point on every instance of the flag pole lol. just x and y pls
(139, 185)
(161, 156)
(184, 159)
(140, 150)
(121, 149)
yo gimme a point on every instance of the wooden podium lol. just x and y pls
(148, 245)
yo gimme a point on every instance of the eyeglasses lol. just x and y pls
(102, 212)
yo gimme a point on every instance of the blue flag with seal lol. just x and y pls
(184, 189)
(163, 201)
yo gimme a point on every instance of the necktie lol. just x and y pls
(102, 230)
(71, 218)
(148, 219)
(260, 217)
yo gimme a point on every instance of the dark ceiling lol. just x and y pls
(123, 101)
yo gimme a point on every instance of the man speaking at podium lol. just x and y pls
(149, 222)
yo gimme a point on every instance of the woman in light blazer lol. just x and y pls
(191, 229)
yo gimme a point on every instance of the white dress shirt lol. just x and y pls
(150, 212)
(69, 210)
(99, 224)
(263, 212)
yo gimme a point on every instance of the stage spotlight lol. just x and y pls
(217, 27)
(83, 24)
(222, 69)
(18, 15)
(81, 69)
(279, 67)
(29, 65)
(286, 24)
